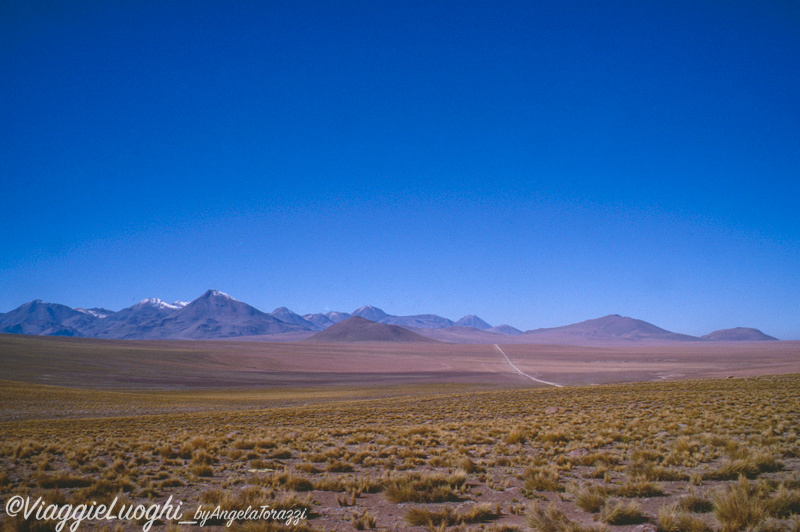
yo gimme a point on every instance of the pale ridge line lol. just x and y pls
(525, 374)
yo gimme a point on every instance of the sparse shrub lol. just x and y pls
(639, 487)
(202, 470)
(281, 454)
(479, 513)
(516, 436)
(750, 466)
(670, 519)
(199, 442)
(425, 487)
(590, 499)
(737, 507)
(447, 516)
(290, 481)
(695, 503)
(348, 499)
(337, 466)
(442, 517)
(236, 500)
(201, 457)
(292, 501)
(617, 512)
(466, 464)
(775, 525)
(102, 491)
(61, 479)
(260, 464)
(554, 436)
(307, 467)
(27, 448)
(171, 483)
(363, 520)
(784, 502)
(551, 519)
(650, 471)
(543, 479)
(166, 451)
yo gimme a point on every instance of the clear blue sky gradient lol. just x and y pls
(535, 163)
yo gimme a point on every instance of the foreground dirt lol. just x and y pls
(419, 458)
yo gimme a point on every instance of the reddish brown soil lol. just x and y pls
(178, 364)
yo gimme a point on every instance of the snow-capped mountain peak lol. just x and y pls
(97, 313)
(157, 303)
(217, 293)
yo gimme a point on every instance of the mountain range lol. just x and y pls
(216, 315)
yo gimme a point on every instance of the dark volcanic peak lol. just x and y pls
(142, 320)
(420, 321)
(336, 317)
(219, 304)
(323, 321)
(738, 334)
(287, 316)
(358, 329)
(218, 315)
(212, 315)
(473, 321)
(610, 328)
(371, 313)
(319, 320)
(504, 329)
(38, 317)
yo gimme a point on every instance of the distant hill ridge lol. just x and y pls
(218, 315)
(612, 327)
(738, 334)
(358, 329)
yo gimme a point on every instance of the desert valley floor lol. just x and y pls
(407, 436)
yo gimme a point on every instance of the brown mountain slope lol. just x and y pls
(613, 328)
(738, 334)
(358, 329)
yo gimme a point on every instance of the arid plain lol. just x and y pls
(210, 364)
(409, 436)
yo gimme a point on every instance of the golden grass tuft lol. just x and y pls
(695, 503)
(590, 499)
(738, 507)
(544, 478)
(551, 519)
(363, 520)
(671, 519)
(618, 512)
(447, 516)
(784, 502)
(425, 487)
(639, 487)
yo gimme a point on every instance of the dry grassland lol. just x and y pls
(693, 455)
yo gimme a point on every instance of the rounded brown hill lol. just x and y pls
(358, 329)
(738, 334)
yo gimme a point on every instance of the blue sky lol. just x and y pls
(535, 163)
